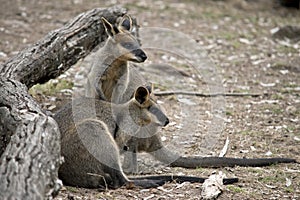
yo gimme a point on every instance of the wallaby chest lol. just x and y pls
(113, 77)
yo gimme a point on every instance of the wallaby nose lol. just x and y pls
(143, 56)
(166, 122)
(140, 54)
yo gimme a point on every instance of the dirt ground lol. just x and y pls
(237, 38)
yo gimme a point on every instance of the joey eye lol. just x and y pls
(153, 109)
(150, 107)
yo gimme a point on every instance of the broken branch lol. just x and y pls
(198, 94)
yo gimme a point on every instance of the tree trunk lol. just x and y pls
(32, 155)
(29, 139)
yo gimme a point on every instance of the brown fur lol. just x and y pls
(88, 131)
(110, 74)
(112, 79)
(92, 132)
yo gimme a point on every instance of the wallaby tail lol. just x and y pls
(194, 162)
(180, 179)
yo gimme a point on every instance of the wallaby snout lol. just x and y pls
(140, 55)
(161, 117)
(166, 122)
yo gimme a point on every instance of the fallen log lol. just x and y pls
(60, 49)
(29, 138)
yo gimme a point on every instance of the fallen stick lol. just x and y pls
(198, 94)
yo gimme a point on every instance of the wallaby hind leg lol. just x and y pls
(152, 145)
(130, 165)
(95, 161)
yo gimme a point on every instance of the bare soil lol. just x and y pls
(237, 37)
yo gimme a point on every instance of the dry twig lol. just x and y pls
(198, 94)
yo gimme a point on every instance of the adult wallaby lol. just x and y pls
(92, 132)
(111, 78)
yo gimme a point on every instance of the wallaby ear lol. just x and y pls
(126, 23)
(150, 87)
(109, 28)
(141, 95)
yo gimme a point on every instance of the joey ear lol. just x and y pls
(149, 89)
(141, 95)
(126, 23)
(109, 28)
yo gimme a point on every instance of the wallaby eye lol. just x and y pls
(153, 109)
(127, 45)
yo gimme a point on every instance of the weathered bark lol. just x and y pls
(29, 139)
(31, 158)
